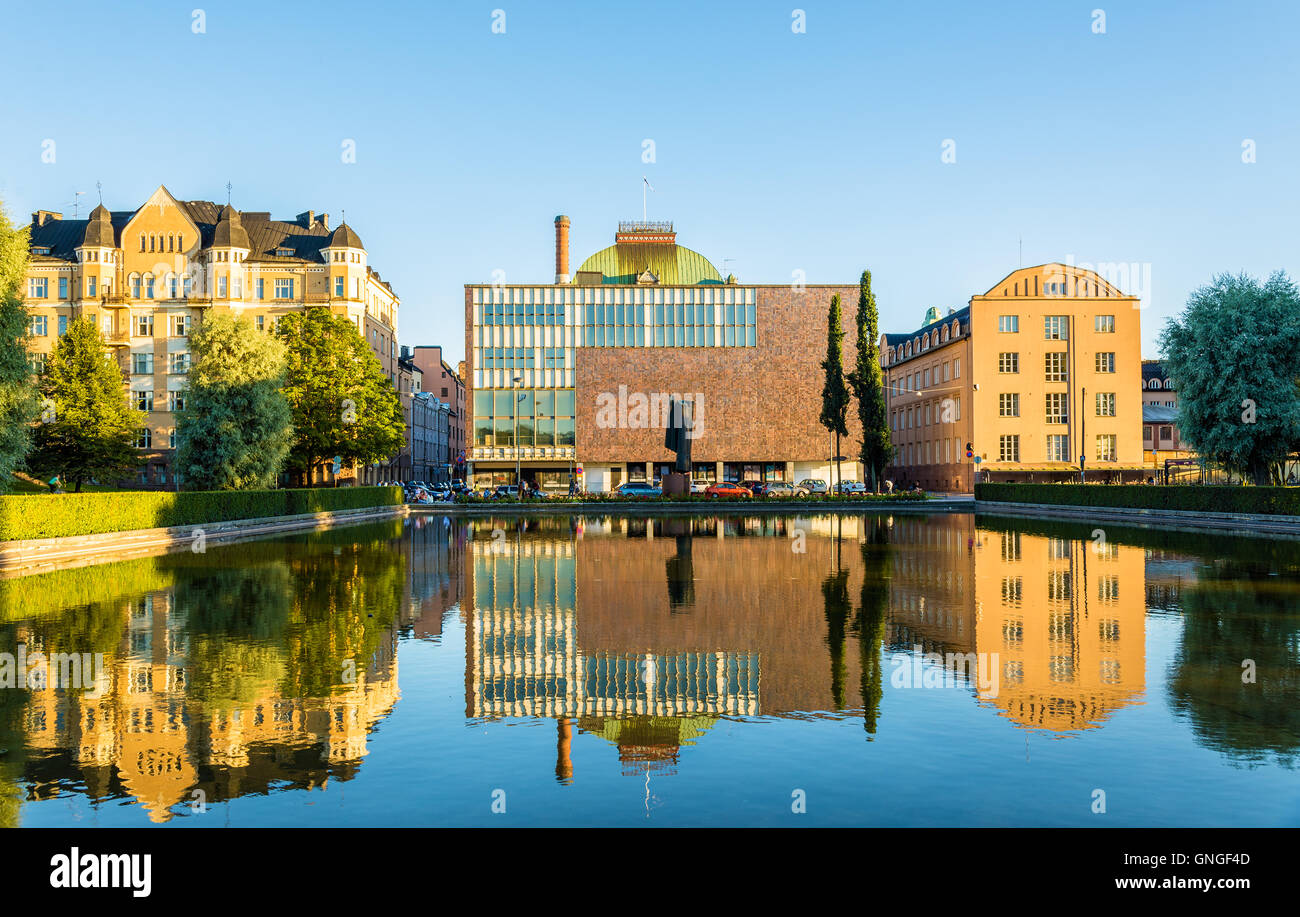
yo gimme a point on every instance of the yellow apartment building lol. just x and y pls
(1035, 378)
(148, 276)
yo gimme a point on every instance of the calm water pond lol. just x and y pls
(830, 670)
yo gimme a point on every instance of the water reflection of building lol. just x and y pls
(433, 545)
(144, 732)
(1067, 618)
(932, 595)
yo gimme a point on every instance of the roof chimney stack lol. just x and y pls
(561, 249)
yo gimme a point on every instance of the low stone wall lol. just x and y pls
(1244, 523)
(20, 558)
(695, 507)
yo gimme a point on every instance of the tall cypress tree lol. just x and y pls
(18, 402)
(90, 429)
(867, 382)
(835, 393)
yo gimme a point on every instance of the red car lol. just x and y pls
(726, 489)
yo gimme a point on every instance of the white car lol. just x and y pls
(699, 487)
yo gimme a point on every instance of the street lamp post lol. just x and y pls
(518, 398)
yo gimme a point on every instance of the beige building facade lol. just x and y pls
(148, 276)
(1035, 379)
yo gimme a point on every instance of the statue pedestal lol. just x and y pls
(675, 483)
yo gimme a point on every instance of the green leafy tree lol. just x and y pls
(835, 393)
(867, 383)
(1234, 355)
(18, 401)
(87, 429)
(342, 402)
(236, 429)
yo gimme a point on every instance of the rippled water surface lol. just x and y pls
(607, 670)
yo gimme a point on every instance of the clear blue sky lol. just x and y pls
(818, 152)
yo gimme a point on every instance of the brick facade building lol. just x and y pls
(575, 376)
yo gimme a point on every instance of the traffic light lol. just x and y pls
(970, 450)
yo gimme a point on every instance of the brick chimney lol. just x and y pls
(561, 249)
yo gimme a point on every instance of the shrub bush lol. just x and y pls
(62, 515)
(1208, 498)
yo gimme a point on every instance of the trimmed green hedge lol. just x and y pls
(62, 515)
(1275, 501)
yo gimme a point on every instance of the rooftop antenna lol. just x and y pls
(227, 193)
(76, 203)
(725, 262)
(99, 186)
(645, 183)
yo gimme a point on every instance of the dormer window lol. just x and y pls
(284, 252)
(40, 249)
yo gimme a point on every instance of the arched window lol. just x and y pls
(180, 242)
(141, 241)
(1169, 385)
(956, 327)
(171, 242)
(945, 332)
(135, 285)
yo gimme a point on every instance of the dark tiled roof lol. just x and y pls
(962, 315)
(1158, 413)
(265, 235)
(1153, 369)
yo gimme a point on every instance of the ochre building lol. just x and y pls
(148, 276)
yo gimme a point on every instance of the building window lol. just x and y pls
(63, 288)
(1008, 324)
(38, 288)
(1105, 404)
(144, 400)
(1106, 447)
(221, 287)
(1054, 363)
(36, 363)
(1056, 327)
(178, 401)
(144, 438)
(148, 286)
(1009, 448)
(144, 326)
(1166, 434)
(1105, 324)
(90, 286)
(180, 363)
(142, 363)
(261, 288)
(1009, 362)
(1146, 434)
(338, 287)
(1056, 407)
(1058, 447)
(1009, 404)
(260, 322)
(180, 325)
(40, 326)
(63, 325)
(284, 288)
(1105, 362)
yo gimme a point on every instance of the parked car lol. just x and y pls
(780, 489)
(458, 486)
(506, 492)
(699, 487)
(638, 489)
(726, 489)
(813, 486)
(850, 487)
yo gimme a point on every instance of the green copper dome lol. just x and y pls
(624, 262)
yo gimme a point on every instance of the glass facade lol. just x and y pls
(541, 418)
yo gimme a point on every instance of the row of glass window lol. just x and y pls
(144, 401)
(1056, 327)
(1058, 448)
(612, 295)
(1054, 364)
(541, 402)
(542, 431)
(923, 379)
(1009, 404)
